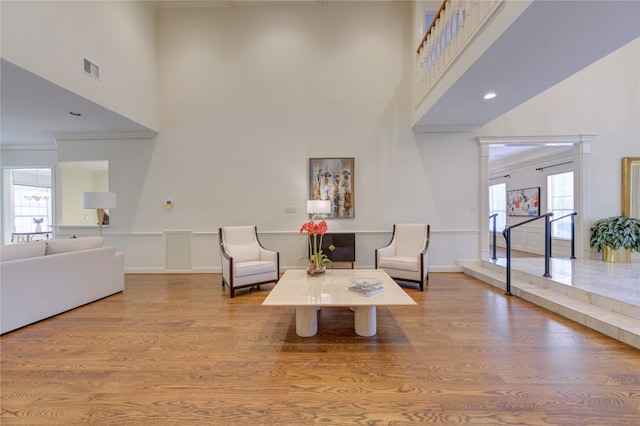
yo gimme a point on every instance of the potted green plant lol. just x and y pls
(616, 237)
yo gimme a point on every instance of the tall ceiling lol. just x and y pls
(549, 42)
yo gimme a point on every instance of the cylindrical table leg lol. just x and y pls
(365, 320)
(306, 321)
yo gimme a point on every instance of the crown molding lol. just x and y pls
(536, 140)
(173, 4)
(104, 136)
(445, 129)
(5, 147)
(539, 157)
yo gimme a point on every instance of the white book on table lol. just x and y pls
(366, 290)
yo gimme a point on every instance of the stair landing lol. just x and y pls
(600, 295)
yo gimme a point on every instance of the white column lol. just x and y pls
(582, 195)
(484, 202)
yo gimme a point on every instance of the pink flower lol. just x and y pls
(315, 245)
(321, 227)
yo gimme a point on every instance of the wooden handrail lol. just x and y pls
(432, 26)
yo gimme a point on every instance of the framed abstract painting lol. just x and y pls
(523, 202)
(332, 179)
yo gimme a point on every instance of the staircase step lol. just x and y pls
(609, 317)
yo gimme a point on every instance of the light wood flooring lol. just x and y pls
(175, 350)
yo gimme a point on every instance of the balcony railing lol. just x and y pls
(454, 26)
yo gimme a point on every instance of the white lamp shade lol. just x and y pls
(318, 206)
(99, 200)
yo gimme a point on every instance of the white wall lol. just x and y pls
(248, 95)
(51, 38)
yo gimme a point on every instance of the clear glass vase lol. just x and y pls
(316, 270)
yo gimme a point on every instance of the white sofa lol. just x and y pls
(44, 278)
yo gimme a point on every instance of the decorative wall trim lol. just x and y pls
(197, 252)
(104, 136)
(270, 233)
(425, 129)
(9, 147)
(535, 140)
(178, 249)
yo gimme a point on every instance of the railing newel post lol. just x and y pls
(573, 236)
(493, 216)
(507, 236)
(547, 244)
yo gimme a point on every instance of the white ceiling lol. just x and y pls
(500, 152)
(34, 110)
(549, 42)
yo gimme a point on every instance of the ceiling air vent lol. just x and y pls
(92, 69)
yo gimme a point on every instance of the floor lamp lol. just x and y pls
(99, 201)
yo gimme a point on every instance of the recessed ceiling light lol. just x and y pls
(75, 114)
(489, 96)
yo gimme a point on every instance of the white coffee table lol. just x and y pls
(307, 294)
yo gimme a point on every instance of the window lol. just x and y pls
(29, 202)
(560, 202)
(498, 204)
(428, 19)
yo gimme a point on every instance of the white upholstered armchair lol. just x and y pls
(406, 256)
(245, 263)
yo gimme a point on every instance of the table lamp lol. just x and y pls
(99, 201)
(318, 207)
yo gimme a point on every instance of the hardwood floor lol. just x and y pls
(175, 350)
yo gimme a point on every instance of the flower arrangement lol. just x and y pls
(316, 260)
(38, 220)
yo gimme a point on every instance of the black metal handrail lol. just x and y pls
(493, 216)
(573, 233)
(547, 246)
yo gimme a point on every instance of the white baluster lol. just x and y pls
(446, 39)
(475, 12)
(455, 33)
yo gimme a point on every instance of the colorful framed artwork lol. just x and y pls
(523, 202)
(332, 179)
